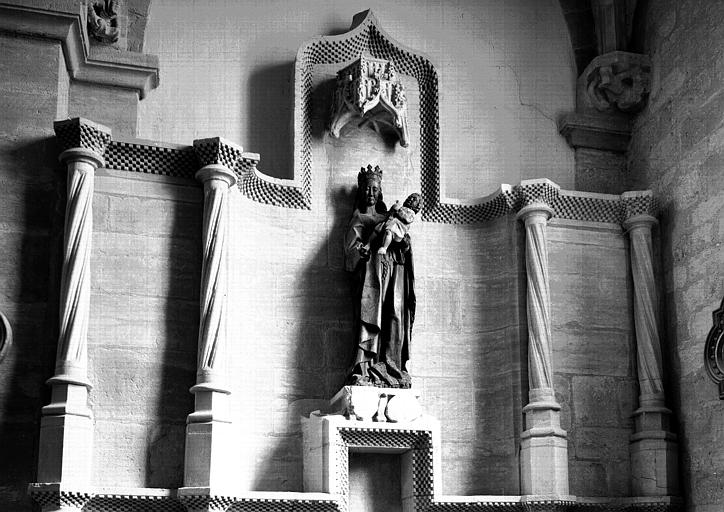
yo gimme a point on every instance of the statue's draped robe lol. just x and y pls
(385, 304)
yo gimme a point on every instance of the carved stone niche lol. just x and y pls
(714, 350)
(615, 82)
(370, 89)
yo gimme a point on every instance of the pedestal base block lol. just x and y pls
(207, 462)
(65, 449)
(654, 464)
(544, 466)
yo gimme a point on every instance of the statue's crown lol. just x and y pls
(366, 173)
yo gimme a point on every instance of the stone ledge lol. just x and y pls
(64, 23)
(596, 131)
(107, 499)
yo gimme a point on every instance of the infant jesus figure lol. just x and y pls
(398, 221)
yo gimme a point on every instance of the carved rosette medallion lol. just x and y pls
(618, 81)
(370, 89)
(714, 350)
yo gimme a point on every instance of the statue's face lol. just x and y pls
(372, 192)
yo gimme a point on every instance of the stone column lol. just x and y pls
(543, 445)
(653, 447)
(207, 458)
(66, 425)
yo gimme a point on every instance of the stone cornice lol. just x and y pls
(81, 133)
(63, 21)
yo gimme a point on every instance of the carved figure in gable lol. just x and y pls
(383, 276)
(370, 89)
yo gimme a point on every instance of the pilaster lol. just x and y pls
(544, 445)
(652, 446)
(207, 457)
(66, 426)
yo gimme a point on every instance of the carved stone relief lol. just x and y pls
(370, 89)
(6, 335)
(103, 21)
(618, 81)
(714, 350)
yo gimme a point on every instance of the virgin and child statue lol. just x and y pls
(378, 254)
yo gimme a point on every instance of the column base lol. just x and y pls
(207, 460)
(66, 434)
(654, 454)
(543, 447)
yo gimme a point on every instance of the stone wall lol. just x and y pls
(505, 68)
(31, 97)
(677, 151)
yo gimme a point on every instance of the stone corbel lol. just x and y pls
(370, 89)
(66, 427)
(615, 82)
(103, 21)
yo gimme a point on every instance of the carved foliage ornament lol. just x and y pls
(370, 88)
(618, 81)
(103, 21)
(714, 350)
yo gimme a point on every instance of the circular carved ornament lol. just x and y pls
(6, 335)
(714, 350)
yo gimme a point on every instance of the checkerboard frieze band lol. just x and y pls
(81, 133)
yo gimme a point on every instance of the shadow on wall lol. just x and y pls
(270, 126)
(167, 438)
(322, 350)
(31, 235)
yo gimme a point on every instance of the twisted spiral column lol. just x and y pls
(207, 462)
(653, 447)
(216, 179)
(544, 445)
(648, 347)
(71, 361)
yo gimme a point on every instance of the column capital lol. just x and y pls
(217, 151)
(80, 133)
(216, 172)
(535, 198)
(637, 207)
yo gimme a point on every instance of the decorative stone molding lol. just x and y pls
(103, 21)
(616, 81)
(64, 22)
(714, 350)
(84, 134)
(6, 335)
(596, 131)
(370, 89)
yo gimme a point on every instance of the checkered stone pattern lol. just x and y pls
(538, 192)
(283, 505)
(383, 438)
(206, 502)
(136, 157)
(485, 506)
(81, 133)
(643, 203)
(261, 191)
(369, 37)
(62, 498)
(217, 151)
(422, 468)
(126, 503)
(498, 206)
(587, 208)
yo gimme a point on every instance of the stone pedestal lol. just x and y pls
(654, 454)
(329, 439)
